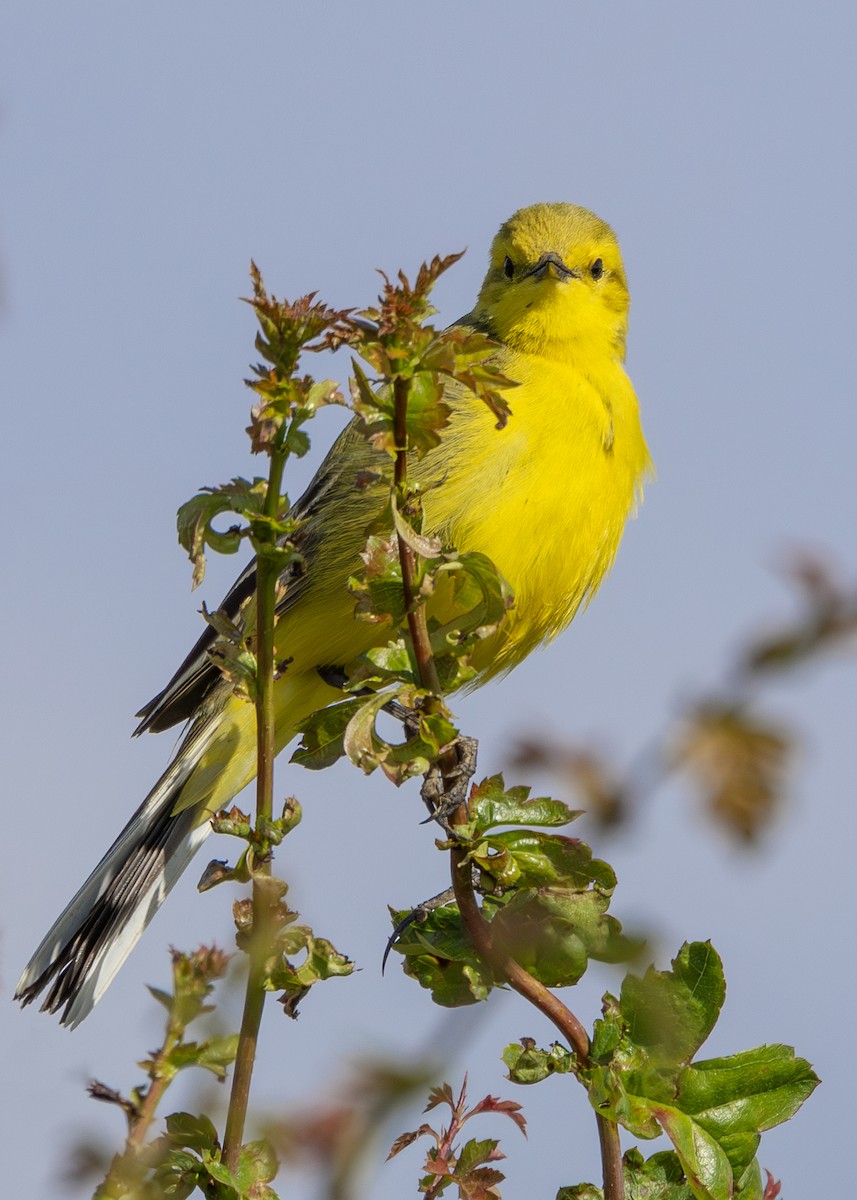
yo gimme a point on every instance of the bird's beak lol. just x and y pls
(551, 264)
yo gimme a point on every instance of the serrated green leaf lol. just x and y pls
(547, 859)
(474, 1153)
(217, 1053)
(737, 1098)
(194, 523)
(491, 804)
(530, 1064)
(322, 961)
(671, 1013)
(606, 1036)
(428, 412)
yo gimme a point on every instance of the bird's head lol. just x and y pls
(555, 283)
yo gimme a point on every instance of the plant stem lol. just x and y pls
(120, 1177)
(267, 571)
(611, 1158)
(520, 979)
(416, 612)
(146, 1114)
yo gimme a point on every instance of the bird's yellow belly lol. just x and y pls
(546, 498)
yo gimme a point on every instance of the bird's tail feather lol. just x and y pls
(89, 941)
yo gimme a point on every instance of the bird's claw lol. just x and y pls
(444, 789)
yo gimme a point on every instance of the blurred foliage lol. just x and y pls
(736, 757)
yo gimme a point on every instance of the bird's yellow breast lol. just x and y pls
(547, 496)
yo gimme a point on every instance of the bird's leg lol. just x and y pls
(416, 915)
(445, 785)
(444, 790)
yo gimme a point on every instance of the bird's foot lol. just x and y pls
(445, 786)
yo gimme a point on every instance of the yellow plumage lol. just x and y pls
(545, 498)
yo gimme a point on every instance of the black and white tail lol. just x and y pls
(91, 939)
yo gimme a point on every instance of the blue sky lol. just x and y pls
(147, 154)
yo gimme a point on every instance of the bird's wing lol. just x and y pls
(197, 675)
(332, 485)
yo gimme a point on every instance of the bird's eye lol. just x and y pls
(597, 269)
(508, 267)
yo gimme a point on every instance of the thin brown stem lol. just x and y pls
(611, 1158)
(248, 1038)
(521, 980)
(147, 1110)
(124, 1168)
(416, 613)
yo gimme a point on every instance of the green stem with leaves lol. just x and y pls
(267, 572)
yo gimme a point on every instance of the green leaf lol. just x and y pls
(391, 661)
(422, 546)
(481, 598)
(192, 1132)
(162, 997)
(378, 587)
(737, 1098)
(257, 1164)
(221, 1174)
(528, 1063)
(321, 961)
(194, 520)
(323, 735)
(491, 804)
(428, 412)
(553, 933)
(217, 1053)
(476, 1152)
(438, 953)
(671, 1013)
(543, 859)
(703, 1160)
(403, 760)
(177, 1175)
(296, 441)
(657, 1178)
(713, 1111)
(360, 741)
